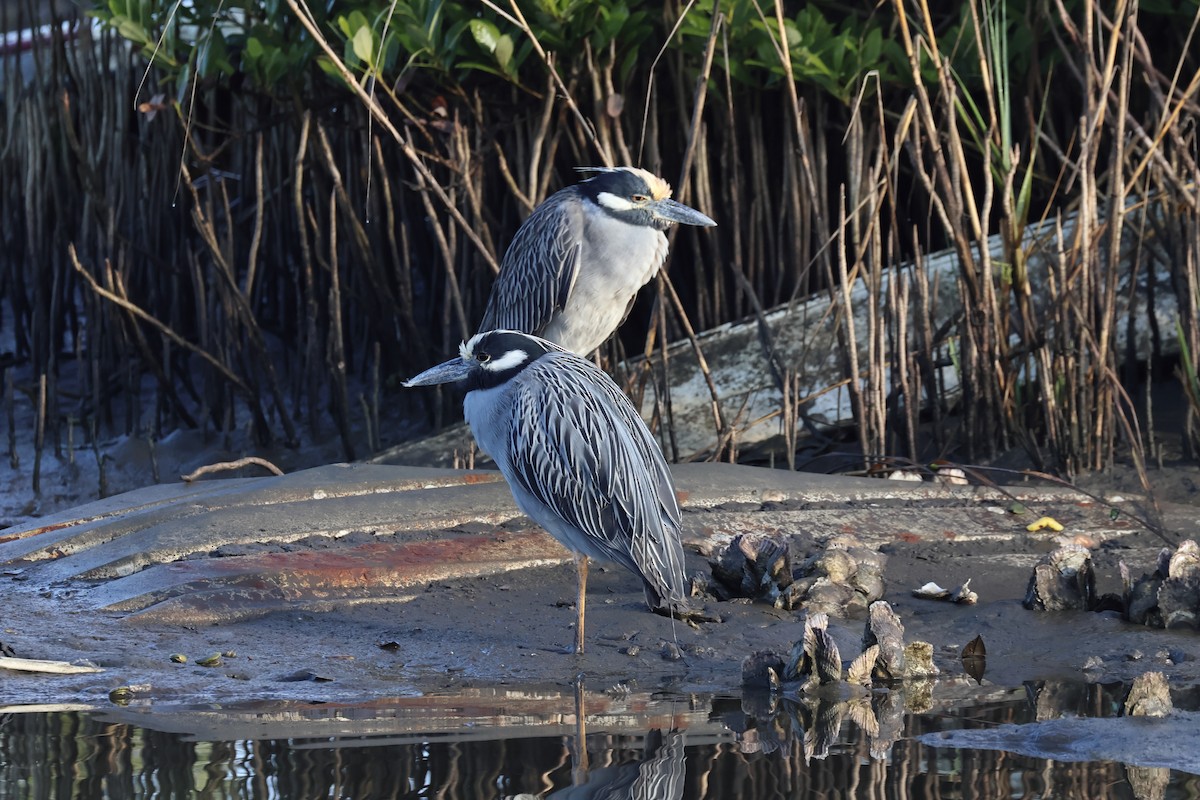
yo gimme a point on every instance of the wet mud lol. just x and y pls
(369, 582)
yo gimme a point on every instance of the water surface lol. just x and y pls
(497, 743)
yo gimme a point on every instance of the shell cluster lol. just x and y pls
(1168, 597)
(1149, 696)
(812, 685)
(842, 580)
(815, 661)
(1063, 580)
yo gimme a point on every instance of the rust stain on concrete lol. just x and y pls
(238, 587)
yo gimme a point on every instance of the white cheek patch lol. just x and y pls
(513, 358)
(612, 201)
(467, 348)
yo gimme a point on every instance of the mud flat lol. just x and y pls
(361, 582)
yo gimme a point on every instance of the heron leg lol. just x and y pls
(581, 572)
(579, 768)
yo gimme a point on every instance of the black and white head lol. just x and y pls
(487, 359)
(638, 197)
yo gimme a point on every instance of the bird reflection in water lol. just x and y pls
(658, 776)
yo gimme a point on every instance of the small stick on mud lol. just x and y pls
(228, 465)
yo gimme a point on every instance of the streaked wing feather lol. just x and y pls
(664, 486)
(538, 270)
(580, 449)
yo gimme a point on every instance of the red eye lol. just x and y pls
(639, 198)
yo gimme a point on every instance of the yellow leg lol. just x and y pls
(581, 571)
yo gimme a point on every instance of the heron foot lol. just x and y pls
(685, 613)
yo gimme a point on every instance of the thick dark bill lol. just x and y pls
(453, 370)
(678, 212)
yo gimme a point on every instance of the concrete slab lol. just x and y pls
(171, 522)
(157, 545)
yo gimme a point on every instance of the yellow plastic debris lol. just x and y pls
(1045, 522)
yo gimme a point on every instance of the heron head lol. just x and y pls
(639, 197)
(486, 359)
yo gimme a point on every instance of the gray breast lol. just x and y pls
(617, 260)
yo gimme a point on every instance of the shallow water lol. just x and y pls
(497, 743)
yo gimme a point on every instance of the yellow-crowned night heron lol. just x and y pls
(574, 267)
(578, 458)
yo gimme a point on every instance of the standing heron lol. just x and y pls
(578, 458)
(573, 268)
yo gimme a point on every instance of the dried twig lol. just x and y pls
(372, 105)
(226, 466)
(137, 312)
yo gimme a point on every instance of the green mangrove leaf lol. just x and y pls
(326, 66)
(504, 52)
(183, 79)
(213, 56)
(131, 30)
(487, 35)
(352, 23)
(364, 45)
(612, 20)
